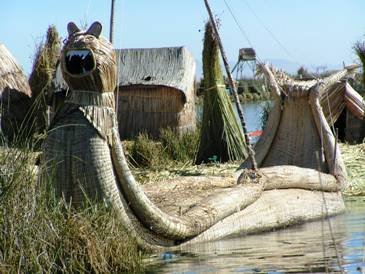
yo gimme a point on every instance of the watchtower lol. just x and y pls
(246, 58)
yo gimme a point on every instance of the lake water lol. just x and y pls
(307, 248)
(253, 113)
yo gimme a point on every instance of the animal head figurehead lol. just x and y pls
(88, 61)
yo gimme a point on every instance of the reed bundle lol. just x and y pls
(221, 135)
(44, 67)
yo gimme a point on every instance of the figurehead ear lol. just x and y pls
(95, 29)
(72, 28)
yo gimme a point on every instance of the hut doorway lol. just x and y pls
(340, 125)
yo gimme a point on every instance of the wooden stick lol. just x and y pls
(111, 33)
(335, 149)
(233, 88)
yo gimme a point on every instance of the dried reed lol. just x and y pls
(354, 158)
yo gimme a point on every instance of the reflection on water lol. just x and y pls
(253, 113)
(307, 248)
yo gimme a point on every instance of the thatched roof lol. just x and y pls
(354, 102)
(11, 74)
(171, 67)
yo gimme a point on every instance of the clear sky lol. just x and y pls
(310, 32)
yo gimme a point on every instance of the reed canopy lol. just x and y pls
(297, 132)
(15, 94)
(155, 90)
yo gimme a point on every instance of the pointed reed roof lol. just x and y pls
(11, 74)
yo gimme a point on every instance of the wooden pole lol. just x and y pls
(232, 86)
(111, 32)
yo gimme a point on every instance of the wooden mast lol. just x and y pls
(111, 32)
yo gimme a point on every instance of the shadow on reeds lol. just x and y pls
(26, 132)
(39, 233)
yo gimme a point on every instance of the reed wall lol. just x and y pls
(149, 108)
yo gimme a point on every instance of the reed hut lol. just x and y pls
(15, 94)
(155, 91)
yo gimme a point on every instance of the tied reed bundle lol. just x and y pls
(40, 80)
(221, 136)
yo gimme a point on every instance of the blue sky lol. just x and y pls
(311, 33)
